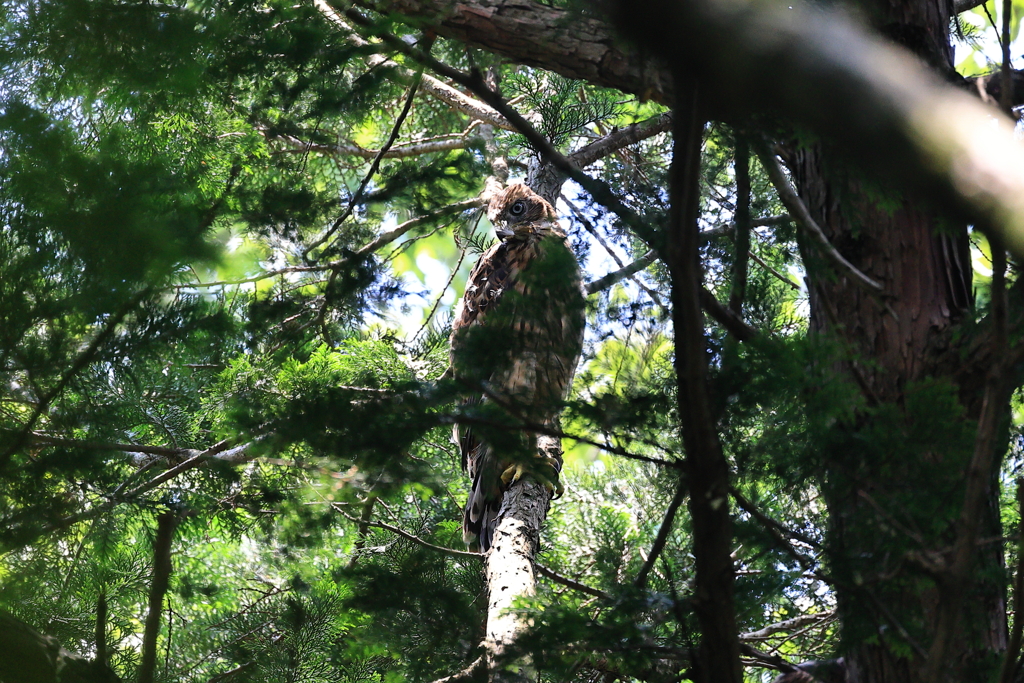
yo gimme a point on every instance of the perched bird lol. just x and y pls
(517, 335)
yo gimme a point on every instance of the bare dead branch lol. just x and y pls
(606, 281)
(444, 144)
(440, 90)
(476, 669)
(788, 625)
(623, 137)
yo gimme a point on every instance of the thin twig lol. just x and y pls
(83, 359)
(464, 554)
(627, 271)
(372, 171)
(664, 530)
(798, 210)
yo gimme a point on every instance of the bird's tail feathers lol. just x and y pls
(478, 520)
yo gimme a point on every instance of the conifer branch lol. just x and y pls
(604, 282)
(667, 522)
(381, 240)
(623, 137)
(165, 524)
(79, 364)
(440, 144)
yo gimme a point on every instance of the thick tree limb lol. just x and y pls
(873, 101)
(536, 34)
(707, 470)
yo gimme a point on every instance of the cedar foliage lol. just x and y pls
(149, 150)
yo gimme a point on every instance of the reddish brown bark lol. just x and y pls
(707, 471)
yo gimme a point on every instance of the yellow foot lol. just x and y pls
(545, 472)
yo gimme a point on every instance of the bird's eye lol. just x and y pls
(518, 208)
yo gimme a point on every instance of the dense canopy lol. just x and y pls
(232, 237)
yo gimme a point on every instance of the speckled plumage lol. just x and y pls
(524, 298)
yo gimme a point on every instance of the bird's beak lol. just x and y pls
(503, 231)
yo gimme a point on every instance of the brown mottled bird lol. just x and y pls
(517, 335)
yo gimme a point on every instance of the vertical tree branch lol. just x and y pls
(511, 573)
(978, 478)
(1010, 659)
(100, 636)
(1005, 78)
(165, 524)
(363, 529)
(742, 218)
(707, 470)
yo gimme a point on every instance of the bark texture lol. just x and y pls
(510, 570)
(536, 34)
(707, 471)
(923, 265)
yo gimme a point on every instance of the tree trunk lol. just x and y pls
(889, 598)
(510, 570)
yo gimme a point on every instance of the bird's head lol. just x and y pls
(518, 210)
